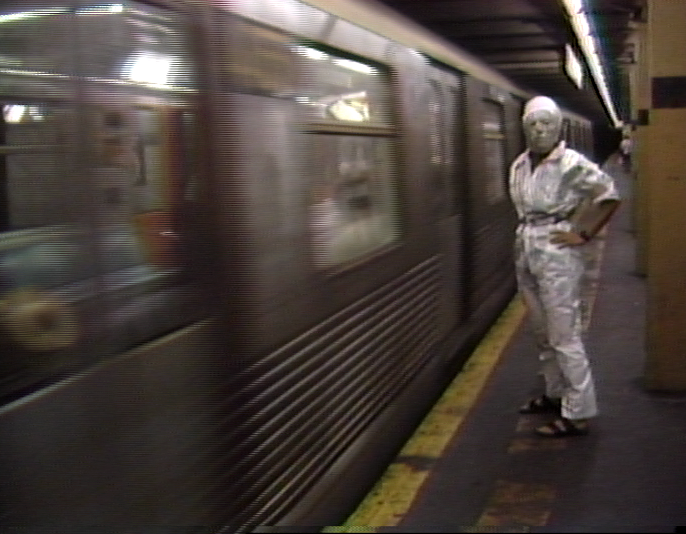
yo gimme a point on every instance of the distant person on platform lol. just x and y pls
(549, 183)
(625, 149)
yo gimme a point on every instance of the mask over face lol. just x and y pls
(542, 123)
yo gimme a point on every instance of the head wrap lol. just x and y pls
(538, 103)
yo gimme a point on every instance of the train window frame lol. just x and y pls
(8, 149)
(444, 141)
(455, 149)
(500, 195)
(323, 248)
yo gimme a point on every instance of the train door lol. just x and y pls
(455, 139)
(444, 136)
(566, 132)
(490, 222)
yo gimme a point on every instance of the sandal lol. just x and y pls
(542, 404)
(562, 428)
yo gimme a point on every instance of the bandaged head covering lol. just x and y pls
(540, 102)
(542, 130)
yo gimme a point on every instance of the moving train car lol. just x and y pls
(243, 247)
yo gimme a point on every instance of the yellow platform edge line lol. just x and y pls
(392, 496)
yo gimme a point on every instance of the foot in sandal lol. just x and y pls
(542, 404)
(563, 427)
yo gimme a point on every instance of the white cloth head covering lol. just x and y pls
(538, 103)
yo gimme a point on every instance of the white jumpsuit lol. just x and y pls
(549, 276)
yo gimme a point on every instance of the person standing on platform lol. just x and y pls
(549, 185)
(625, 148)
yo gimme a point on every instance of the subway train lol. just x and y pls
(243, 248)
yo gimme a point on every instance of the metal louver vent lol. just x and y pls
(304, 404)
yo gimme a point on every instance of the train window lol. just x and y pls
(567, 131)
(494, 144)
(346, 102)
(138, 175)
(126, 40)
(35, 40)
(32, 170)
(92, 184)
(136, 43)
(571, 136)
(353, 207)
(259, 61)
(442, 139)
(436, 117)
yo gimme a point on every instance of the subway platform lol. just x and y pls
(475, 464)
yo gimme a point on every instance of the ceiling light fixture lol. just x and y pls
(577, 15)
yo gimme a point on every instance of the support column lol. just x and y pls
(666, 184)
(641, 172)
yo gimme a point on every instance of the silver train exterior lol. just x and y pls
(243, 248)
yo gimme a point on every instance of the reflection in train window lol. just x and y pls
(354, 210)
(89, 217)
(346, 104)
(137, 184)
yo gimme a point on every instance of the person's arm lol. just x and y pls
(598, 215)
(595, 217)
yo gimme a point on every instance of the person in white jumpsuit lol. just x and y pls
(549, 183)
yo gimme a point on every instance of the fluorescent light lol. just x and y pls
(345, 111)
(101, 10)
(13, 113)
(582, 29)
(19, 72)
(573, 67)
(148, 68)
(312, 53)
(36, 13)
(354, 65)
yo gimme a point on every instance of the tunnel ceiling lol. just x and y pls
(525, 40)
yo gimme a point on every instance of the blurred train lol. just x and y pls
(243, 247)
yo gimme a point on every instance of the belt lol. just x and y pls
(538, 218)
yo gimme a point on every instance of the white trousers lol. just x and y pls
(549, 279)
